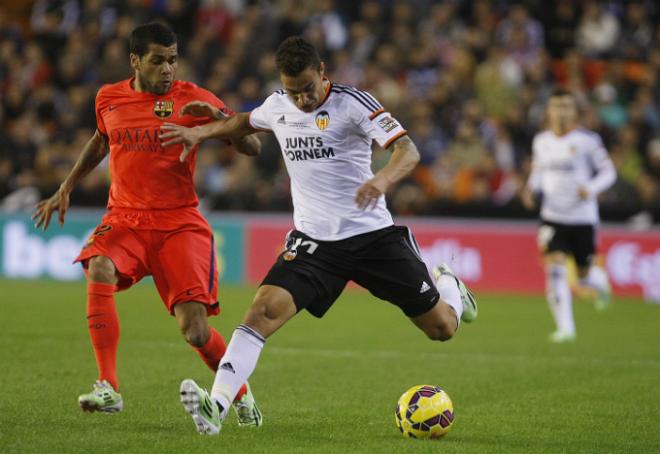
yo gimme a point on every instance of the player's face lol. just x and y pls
(306, 89)
(562, 112)
(156, 69)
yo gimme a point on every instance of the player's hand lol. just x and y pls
(368, 194)
(583, 192)
(172, 134)
(201, 109)
(527, 199)
(58, 202)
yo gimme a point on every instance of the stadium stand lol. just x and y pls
(468, 78)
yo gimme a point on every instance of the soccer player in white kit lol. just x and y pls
(343, 230)
(570, 167)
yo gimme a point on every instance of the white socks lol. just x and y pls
(449, 293)
(559, 297)
(597, 278)
(236, 365)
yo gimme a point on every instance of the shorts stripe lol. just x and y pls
(412, 244)
(212, 264)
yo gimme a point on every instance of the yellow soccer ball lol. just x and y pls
(424, 411)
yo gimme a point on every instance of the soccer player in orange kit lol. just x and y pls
(152, 225)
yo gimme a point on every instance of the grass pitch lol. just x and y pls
(330, 386)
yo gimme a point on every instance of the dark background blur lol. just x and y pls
(468, 79)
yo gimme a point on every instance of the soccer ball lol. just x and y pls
(424, 411)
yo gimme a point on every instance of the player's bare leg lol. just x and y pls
(456, 303)
(271, 308)
(193, 323)
(103, 327)
(439, 323)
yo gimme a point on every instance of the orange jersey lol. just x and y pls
(146, 176)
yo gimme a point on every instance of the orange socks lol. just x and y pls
(212, 352)
(103, 327)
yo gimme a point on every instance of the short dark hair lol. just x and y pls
(151, 33)
(296, 54)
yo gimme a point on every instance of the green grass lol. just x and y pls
(331, 385)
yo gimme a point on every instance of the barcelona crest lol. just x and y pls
(163, 109)
(322, 120)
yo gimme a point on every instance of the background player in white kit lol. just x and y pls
(570, 167)
(343, 228)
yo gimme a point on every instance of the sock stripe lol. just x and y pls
(251, 332)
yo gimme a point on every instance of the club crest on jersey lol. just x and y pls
(163, 109)
(290, 255)
(322, 120)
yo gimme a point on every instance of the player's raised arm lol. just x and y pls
(93, 153)
(232, 128)
(403, 160)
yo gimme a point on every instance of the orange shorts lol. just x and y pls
(182, 261)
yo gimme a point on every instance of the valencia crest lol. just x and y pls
(322, 120)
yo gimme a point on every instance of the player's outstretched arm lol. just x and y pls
(93, 153)
(232, 128)
(248, 145)
(404, 159)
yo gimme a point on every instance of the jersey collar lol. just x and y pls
(328, 88)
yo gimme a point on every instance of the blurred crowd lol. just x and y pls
(468, 79)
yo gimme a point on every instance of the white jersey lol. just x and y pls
(563, 164)
(328, 156)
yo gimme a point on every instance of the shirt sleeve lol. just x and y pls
(207, 96)
(98, 106)
(380, 126)
(260, 117)
(605, 172)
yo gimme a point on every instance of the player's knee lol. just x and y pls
(101, 269)
(440, 333)
(442, 330)
(193, 323)
(196, 335)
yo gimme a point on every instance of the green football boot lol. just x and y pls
(603, 299)
(199, 405)
(247, 411)
(103, 398)
(470, 310)
(561, 337)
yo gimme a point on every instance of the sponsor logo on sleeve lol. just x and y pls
(388, 124)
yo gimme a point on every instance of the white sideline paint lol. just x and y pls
(483, 357)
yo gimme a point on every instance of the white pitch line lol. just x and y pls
(385, 354)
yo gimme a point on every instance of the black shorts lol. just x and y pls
(386, 262)
(578, 240)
